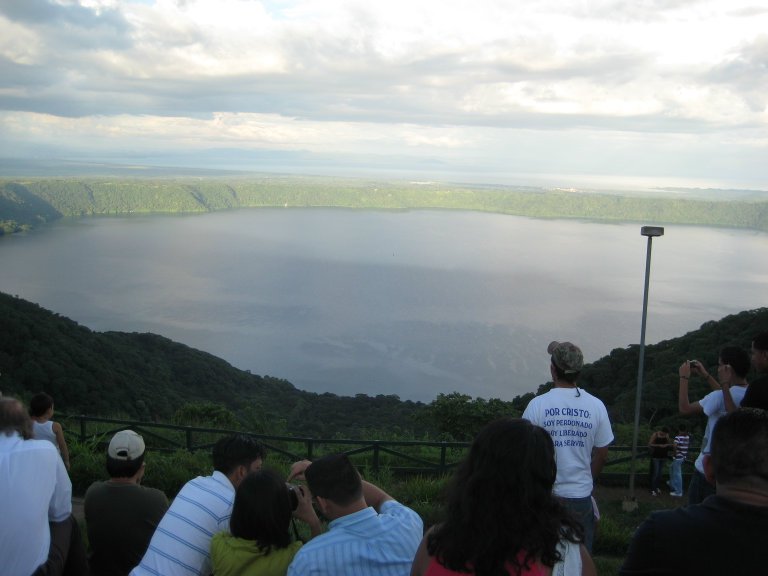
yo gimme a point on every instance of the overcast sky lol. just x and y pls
(639, 92)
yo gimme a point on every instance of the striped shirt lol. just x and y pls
(364, 543)
(181, 543)
(681, 446)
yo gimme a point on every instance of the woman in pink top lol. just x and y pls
(502, 518)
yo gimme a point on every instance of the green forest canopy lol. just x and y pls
(29, 202)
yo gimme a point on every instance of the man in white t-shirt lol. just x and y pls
(580, 429)
(38, 534)
(732, 368)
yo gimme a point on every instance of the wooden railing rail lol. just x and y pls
(398, 456)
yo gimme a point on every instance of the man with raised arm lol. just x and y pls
(732, 369)
(580, 429)
(727, 533)
(369, 534)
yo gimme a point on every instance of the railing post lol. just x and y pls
(309, 449)
(376, 457)
(189, 440)
(82, 429)
(442, 456)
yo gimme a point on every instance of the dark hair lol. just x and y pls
(760, 341)
(39, 404)
(570, 377)
(13, 418)
(737, 358)
(262, 510)
(236, 450)
(500, 506)
(740, 445)
(334, 477)
(117, 468)
(682, 427)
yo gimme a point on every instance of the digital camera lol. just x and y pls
(293, 495)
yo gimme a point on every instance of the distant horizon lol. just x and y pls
(11, 167)
(607, 95)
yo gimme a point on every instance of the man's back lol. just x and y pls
(121, 518)
(181, 543)
(577, 422)
(718, 536)
(34, 488)
(363, 544)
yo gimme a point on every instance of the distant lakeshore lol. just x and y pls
(32, 201)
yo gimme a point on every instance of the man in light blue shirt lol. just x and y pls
(369, 534)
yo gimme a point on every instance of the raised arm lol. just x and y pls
(374, 496)
(683, 404)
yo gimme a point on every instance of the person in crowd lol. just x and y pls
(501, 514)
(41, 411)
(120, 514)
(580, 429)
(681, 442)
(757, 392)
(38, 534)
(732, 369)
(659, 445)
(726, 534)
(181, 544)
(369, 533)
(259, 539)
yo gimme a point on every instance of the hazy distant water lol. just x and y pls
(406, 303)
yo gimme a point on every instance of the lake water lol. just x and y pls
(375, 302)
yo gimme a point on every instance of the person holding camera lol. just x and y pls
(732, 368)
(259, 539)
(369, 533)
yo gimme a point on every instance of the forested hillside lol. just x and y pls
(148, 377)
(26, 203)
(613, 377)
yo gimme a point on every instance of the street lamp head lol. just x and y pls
(652, 231)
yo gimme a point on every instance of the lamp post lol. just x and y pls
(650, 232)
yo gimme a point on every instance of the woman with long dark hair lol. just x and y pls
(502, 518)
(259, 542)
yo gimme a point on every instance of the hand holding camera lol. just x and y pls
(301, 506)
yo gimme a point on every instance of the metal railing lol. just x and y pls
(397, 456)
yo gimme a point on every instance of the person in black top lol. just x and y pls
(725, 534)
(756, 395)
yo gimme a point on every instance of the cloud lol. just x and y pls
(433, 78)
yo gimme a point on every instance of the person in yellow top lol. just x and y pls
(259, 542)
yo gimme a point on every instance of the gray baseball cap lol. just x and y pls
(566, 356)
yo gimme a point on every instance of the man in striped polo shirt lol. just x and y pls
(181, 543)
(369, 534)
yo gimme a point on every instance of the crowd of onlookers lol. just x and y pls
(519, 503)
